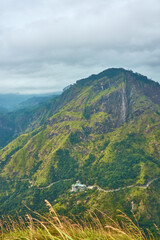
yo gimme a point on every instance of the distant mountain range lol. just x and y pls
(104, 130)
(17, 111)
(12, 102)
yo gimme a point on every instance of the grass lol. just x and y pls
(96, 226)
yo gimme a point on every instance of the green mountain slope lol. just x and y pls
(105, 131)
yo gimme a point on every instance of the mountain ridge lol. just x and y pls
(104, 131)
(121, 111)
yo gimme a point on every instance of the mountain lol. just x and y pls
(28, 115)
(105, 131)
(34, 101)
(12, 102)
(9, 102)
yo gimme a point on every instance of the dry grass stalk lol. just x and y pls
(54, 227)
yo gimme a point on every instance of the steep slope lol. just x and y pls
(105, 131)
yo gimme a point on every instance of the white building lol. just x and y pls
(78, 187)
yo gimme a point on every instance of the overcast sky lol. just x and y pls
(47, 44)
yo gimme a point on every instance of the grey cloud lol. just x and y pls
(53, 43)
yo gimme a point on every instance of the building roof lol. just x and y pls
(78, 184)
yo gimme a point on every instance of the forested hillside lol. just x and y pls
(104, 131)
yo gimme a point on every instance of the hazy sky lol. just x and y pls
(47, 44)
